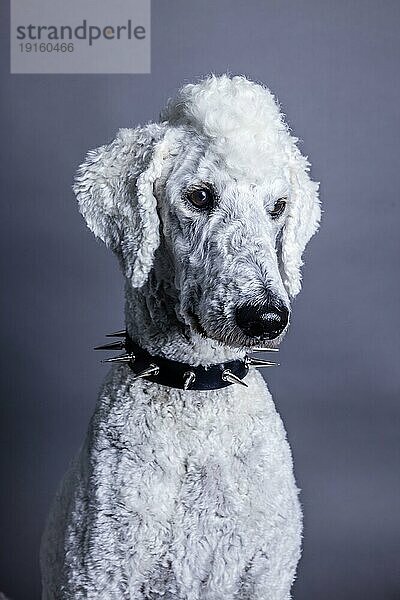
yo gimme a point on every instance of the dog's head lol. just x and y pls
(215, 201)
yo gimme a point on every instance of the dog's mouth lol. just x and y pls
(196, 324)
(233, 337)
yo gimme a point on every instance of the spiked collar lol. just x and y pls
(181, 375)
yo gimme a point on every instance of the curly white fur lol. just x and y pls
(189, 495)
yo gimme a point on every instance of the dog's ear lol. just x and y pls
(114, 188)
(301, 222)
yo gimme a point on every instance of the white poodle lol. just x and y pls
(184, 487)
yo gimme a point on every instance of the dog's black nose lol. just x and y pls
(265, 320)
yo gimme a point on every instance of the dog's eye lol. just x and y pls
(201, 198)
(279, 208)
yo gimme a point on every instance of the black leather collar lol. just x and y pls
(172, 373)
(176, 374)
(179, 375)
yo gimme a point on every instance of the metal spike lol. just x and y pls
(121, 333)
(260, 349)
(188, 378)
(259, 362)
(227, 375)
(152, 369)
(120, 345)
(123, 358)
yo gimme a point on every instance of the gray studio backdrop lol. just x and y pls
(334, 68)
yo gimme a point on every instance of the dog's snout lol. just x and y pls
(265, 320)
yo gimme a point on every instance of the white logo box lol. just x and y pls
(80, 36)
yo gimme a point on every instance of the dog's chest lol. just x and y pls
(195, 461)
(176, 493)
